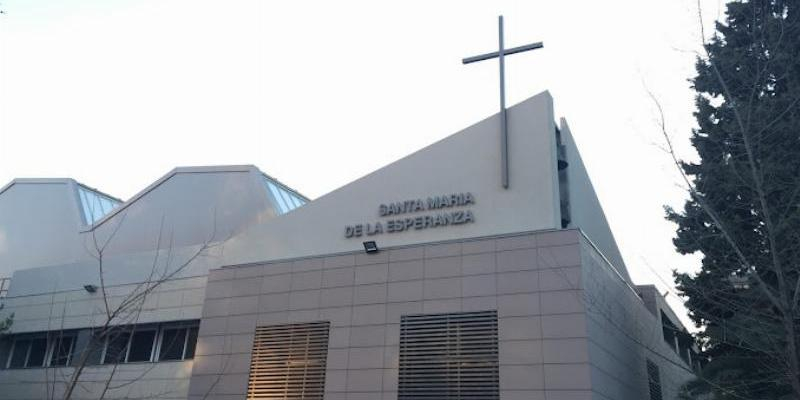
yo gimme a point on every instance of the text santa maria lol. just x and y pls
(441, 211)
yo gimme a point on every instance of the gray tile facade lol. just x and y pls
(534, 281)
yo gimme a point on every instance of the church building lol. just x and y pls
(426, 279)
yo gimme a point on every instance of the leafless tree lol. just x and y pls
(125, 312)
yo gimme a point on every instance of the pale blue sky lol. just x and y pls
(117, 93)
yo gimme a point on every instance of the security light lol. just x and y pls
(370, 247)
(90, 288)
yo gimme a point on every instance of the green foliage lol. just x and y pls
(744, 215)
(5, 324)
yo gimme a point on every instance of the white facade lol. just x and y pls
(251, 226)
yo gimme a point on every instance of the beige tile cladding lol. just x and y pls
(533, 280)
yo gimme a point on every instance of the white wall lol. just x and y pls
(39, 224)
(468, 161)
(186, 208)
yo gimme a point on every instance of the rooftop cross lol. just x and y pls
(500, 54)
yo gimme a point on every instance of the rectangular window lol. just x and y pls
(37, 353)
(172, 344)
(116, 347)
(62, 350)
(95, 345)
(288, 361)
(653, 380)
(5, 352)
(449, 356)
(141, 347)
(191, 343)
(19, 353)
(177, 343)
(121, 344)
(28, 352)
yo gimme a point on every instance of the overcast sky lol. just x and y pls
(117, 93)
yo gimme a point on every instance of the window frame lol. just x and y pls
(27, 338)
(186, 327)
(53, 338)
(130, 332)
(107, 342)
(133, 332)
(13, 351)
(52, 347)
(275, 191)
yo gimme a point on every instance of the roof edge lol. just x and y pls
(166, 177)
(34, 181)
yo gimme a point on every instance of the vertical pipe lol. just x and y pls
(503, 117)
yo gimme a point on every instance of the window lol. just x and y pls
(28, 352)
(191, 343)
(288, 361)
(95, 205)
(141, 347)
(19, 353)
(284, 199)
(449, 356)
(116, 347)
(653, 380)
(63, 347)
(125, 344)
(97, 343)
(177, 343)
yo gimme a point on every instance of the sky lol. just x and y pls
(318, 93)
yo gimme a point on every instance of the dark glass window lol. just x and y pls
(141, 346)
(123, 344)
(178, 343)
(191, 342)
(28, 353)
(117, 347)
(37, 353)
(19, 353)
(172, 343)
(5, 352)
(95, 349)
(62, 350)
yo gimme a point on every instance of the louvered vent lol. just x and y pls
(449, 356)
(288, 362)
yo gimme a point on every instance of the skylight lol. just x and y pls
(95, 205)
(284, 199)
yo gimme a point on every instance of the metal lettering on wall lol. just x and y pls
(445, 212)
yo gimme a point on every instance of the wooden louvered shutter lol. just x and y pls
(288, 362)
(449, 356)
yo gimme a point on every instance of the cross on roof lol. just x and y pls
(500, 54)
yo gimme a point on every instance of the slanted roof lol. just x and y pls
(46, 222)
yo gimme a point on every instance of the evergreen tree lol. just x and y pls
(743, 214)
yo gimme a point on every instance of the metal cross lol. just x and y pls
(503, 117)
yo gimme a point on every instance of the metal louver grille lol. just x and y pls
(288, 362)
(653, 380)
(449, 356)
